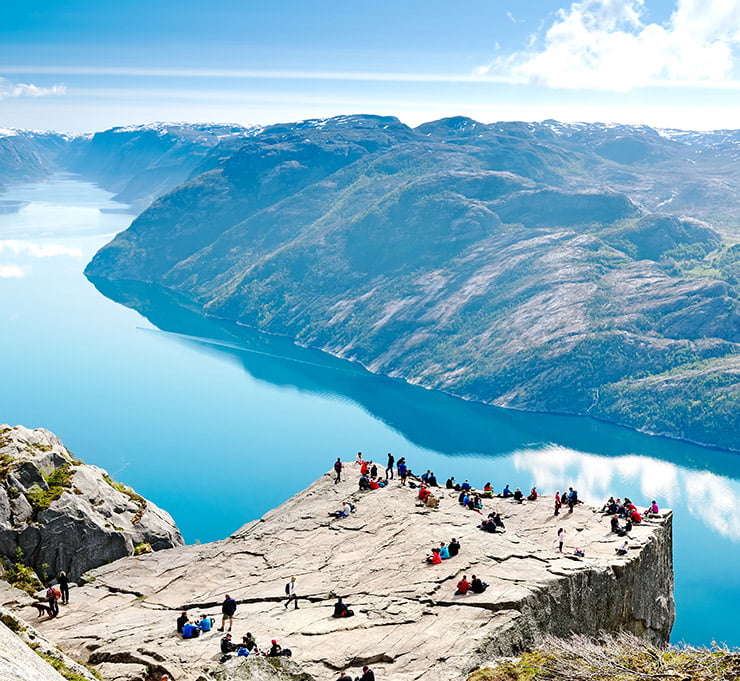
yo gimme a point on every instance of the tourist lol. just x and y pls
(558, 503)
(506, 492)
(190, 630)
(499, 521)
(291, 593)
(52, 595)
(488, 490)
(610, 507)
(450, 484)
(367, 674)
(358, 458)
(389, 466)
(561, 539)
(518, 496)
(338, 470)
(653, 510)
(345, 677)
(64, 584)
(424, 493)
(425, 476)
(374, 484)
(373, 471)
(532, 495)
(432, 480)
(346, 509)
(403, 470)
(434, 558)
(206, 623)
(463, 586)
(572, 499)
(364, 482)
(227, 646)
(466, 486)
(615, 524)
(444, 552)
(477, 586)
(453, 547)
(580, 553)
(228, 608)
(182, 620)
(462, 498)
(623, 550)
(341, 609)
(249, 643)
(365, 468)
(275, 649)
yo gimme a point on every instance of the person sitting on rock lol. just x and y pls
(367, 674)
(466, 486)
(635, 516)
(374, 484)
(424, 493)
(453, 547)
(653, 510)
(623, 550)
(364, 482)
(477, 586)
(206, 623)
(488, 490)
(506, 492)
(249, 643)
(499, 522)
(434, 558)
(518, 495)
(275, 649)
(444, 552)
(341, 609)
(533, 495)
(610, 507)
(463, 586)
(346, 509)
(488, 526)
(226, 645)
(182, 620)
(450, 484)
(344, 677)
(432, 481)
(615, 524)
(190, 630)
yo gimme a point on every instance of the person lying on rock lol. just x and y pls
(227, 646)
(182, 620)
(434, 558)
(477, 586)
(463, 586)
(341, 609)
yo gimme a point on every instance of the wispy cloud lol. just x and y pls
(37, 250)
(607, 45)
(9, 90)
(12, 272)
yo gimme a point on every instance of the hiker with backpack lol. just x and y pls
(52, 596)
(290, 593)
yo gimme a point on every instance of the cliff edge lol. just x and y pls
(408, 622)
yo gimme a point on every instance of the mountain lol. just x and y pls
(550, 267)
(28, 156)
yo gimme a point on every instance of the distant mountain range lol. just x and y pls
(568, 268)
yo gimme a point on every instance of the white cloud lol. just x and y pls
(10, 90)
(12, 272)
(606, 45)
(38, 250)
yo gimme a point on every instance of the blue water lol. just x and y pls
(218, 424)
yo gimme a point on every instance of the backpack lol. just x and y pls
(287, 589)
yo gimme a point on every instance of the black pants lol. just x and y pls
(64, 588)
(53, 606)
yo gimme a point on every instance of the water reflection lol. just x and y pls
(708, 497)
(427, 418)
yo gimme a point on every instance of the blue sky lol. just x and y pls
(86, 65)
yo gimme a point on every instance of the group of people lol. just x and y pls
(494, 523)
(475, 585)
(569, 498)
(367, 675)
(443, 552)
(188, 628)
(248, 646)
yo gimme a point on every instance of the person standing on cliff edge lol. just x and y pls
(290, 590)
(338, 470)
(389, 467)
(228, 608)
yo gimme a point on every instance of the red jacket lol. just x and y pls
(463, 586)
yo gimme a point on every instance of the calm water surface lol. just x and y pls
(218, 424)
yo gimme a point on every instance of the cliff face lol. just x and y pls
(408, 623)
(66, 515)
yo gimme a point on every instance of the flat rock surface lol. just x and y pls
(408, 621)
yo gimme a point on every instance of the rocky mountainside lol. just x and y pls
(57, 513)
(537, 266)
(408, 622)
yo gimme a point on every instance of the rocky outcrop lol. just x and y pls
(63, 514)
(408, 621)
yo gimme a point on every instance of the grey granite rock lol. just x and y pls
(408, 621)
(67, 515)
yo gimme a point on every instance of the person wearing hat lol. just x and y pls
(275, 649)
